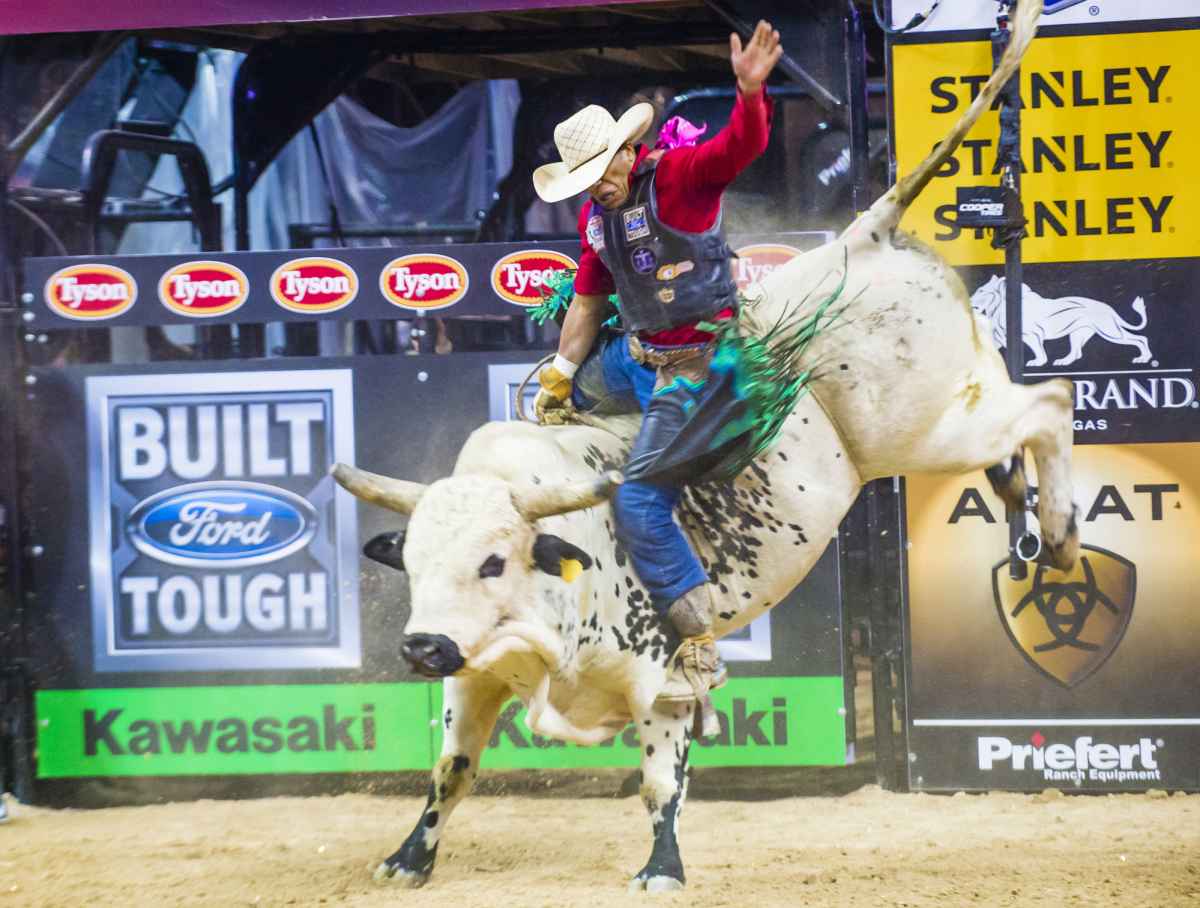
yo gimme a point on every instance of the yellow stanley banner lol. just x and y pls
(1110, 137)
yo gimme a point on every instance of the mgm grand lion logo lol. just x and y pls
(1068, 624)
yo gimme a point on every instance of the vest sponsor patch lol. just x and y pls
(670, 272)
(643, 260)
(595, 232)
(636, 223)
(666, 295)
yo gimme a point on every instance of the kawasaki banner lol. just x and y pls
(1082, 680)
(200, 606)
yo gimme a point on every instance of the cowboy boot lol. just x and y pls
(696, 668)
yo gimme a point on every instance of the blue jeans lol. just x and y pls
(610, 381)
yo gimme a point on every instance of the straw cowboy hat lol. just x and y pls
(588, 141)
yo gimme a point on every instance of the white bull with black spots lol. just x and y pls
(519, 586)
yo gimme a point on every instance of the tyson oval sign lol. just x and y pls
(221, 524)
(90, 292)
(520, 276)
(314, 284)
(424, 281)
(756, 261)
(203, 289)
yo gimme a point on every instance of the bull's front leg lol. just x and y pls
(469, 710)
(666, 734)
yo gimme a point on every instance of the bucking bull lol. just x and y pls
(519, 588)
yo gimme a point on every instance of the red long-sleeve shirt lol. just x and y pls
(689, 182)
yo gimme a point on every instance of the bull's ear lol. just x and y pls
(556, 556)
(387, 548)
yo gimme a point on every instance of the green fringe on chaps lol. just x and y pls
(768, 375)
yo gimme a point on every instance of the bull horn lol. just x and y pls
(535, 502)
(393, 494)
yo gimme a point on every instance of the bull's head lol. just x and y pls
(475, 559)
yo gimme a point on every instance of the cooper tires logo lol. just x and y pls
(520, 276)
(314, 285)
(1068, 625)
(90, 292)
(203, 289)
(425, 281)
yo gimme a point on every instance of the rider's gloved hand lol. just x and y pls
(553, 401)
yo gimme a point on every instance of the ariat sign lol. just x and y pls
(90, 292)
(755, 262)
(203, 289)
(424, 281)
(520, 276)
(1108, 124)
(1083, 759)
(218, 539)
(314, 285)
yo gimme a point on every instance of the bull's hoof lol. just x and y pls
(411, 879)
(645, 883)
(1062, 556)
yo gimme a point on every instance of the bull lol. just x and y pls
(520, 587)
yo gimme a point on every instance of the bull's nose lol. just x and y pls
(432, 655)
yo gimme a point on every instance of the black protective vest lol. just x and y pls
(665, 277)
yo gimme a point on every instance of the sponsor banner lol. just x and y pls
(424, 281)
(1123, 333)
(192, 731)
(1109, 128)
(757, 260)
(218, 539)
(766, 721)
(314, 285)
(981, 14)
(90, 292)
(1090, 674)
(520, 276)
(203, 289)
(470, 279)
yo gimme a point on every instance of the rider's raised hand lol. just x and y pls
(754, 62)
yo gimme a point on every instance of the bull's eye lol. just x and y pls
(493, 567)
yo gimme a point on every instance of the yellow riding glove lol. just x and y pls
(552, 403)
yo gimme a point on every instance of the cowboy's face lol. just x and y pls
(612, 189)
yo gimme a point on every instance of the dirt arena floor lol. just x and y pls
(867, 847)
(751, 838)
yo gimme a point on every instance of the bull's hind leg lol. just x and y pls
(469, 711)
(666, 734)
(1008, 480)
(1050, 432)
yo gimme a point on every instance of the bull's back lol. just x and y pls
(904, 354)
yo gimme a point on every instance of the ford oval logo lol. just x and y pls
(221, 524)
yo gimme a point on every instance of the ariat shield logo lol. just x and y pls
(90, 292)
(203, 289)
(1067, 625)
(314, 285)
(520, 276)
(424, 281)
(755, 262)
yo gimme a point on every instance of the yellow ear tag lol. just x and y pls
(569, 569)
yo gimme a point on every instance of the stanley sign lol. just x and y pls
(1109, 130)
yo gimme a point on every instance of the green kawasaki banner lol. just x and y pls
(284, 729)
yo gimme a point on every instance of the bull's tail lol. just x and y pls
(887, 210)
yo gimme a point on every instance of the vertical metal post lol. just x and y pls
(856, 105)
(1008, 153)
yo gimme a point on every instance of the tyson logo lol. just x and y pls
(86, 292)
(203, 289)
(314, 285)
(520, 276)
(424, 281)
(758, 260)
